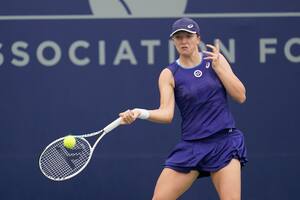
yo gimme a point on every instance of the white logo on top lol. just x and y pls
(207, 65)
(137, 8)
(190, 26)
(197, 73)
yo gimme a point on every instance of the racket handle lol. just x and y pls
(112, 125)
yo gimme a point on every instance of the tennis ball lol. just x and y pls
(69, 142)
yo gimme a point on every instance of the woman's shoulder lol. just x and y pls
(166, 77)
(166, 72)
(172, 67)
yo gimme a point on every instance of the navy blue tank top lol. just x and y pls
(201, 99)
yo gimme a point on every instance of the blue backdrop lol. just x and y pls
(65, 67)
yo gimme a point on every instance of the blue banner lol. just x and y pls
(71, 67)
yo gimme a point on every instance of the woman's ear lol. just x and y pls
(199, 38)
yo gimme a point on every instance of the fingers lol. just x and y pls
(214, 55)
(211, 56)
(128, 117)
(215, 48)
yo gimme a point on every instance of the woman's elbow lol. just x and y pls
(169, 118)
(166, 115)
(169, 121)
(241, 99)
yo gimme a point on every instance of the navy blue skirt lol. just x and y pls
(209, 154)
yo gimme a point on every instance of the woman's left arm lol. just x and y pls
(232, 84)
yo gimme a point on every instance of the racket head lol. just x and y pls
(59, 163)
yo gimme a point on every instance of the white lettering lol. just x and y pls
(172, 52)
(150, 44)
(125, 53)
(230, 52)
(264, 50)
(17, 50)
(1, 56)
(40, 53)
(101, 50)
(72, 53)
(49, 53)
(287, 50)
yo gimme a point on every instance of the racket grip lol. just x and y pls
(112, 125)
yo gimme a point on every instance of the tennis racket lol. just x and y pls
(59, 163)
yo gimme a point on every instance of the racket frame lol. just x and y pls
(102, 133)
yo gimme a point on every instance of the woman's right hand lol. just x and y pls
(129, 116)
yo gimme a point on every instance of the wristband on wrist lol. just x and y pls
(144, 114)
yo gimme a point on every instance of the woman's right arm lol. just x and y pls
(165, 112)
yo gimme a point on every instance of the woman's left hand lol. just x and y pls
(214, 55)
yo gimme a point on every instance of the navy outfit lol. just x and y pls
(209, 137)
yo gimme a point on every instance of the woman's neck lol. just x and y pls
(190, 60)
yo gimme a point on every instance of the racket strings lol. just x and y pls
(59, 163)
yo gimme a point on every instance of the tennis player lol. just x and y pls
(211, 145)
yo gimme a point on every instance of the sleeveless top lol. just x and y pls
(201, 99)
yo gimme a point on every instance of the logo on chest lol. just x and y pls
(207, 65)
(198, 73)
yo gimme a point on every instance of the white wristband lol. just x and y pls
(144, 114)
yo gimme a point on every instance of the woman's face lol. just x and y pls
(186, 43)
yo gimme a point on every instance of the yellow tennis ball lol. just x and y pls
(69, 142)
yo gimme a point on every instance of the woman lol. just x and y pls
(211, 145)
